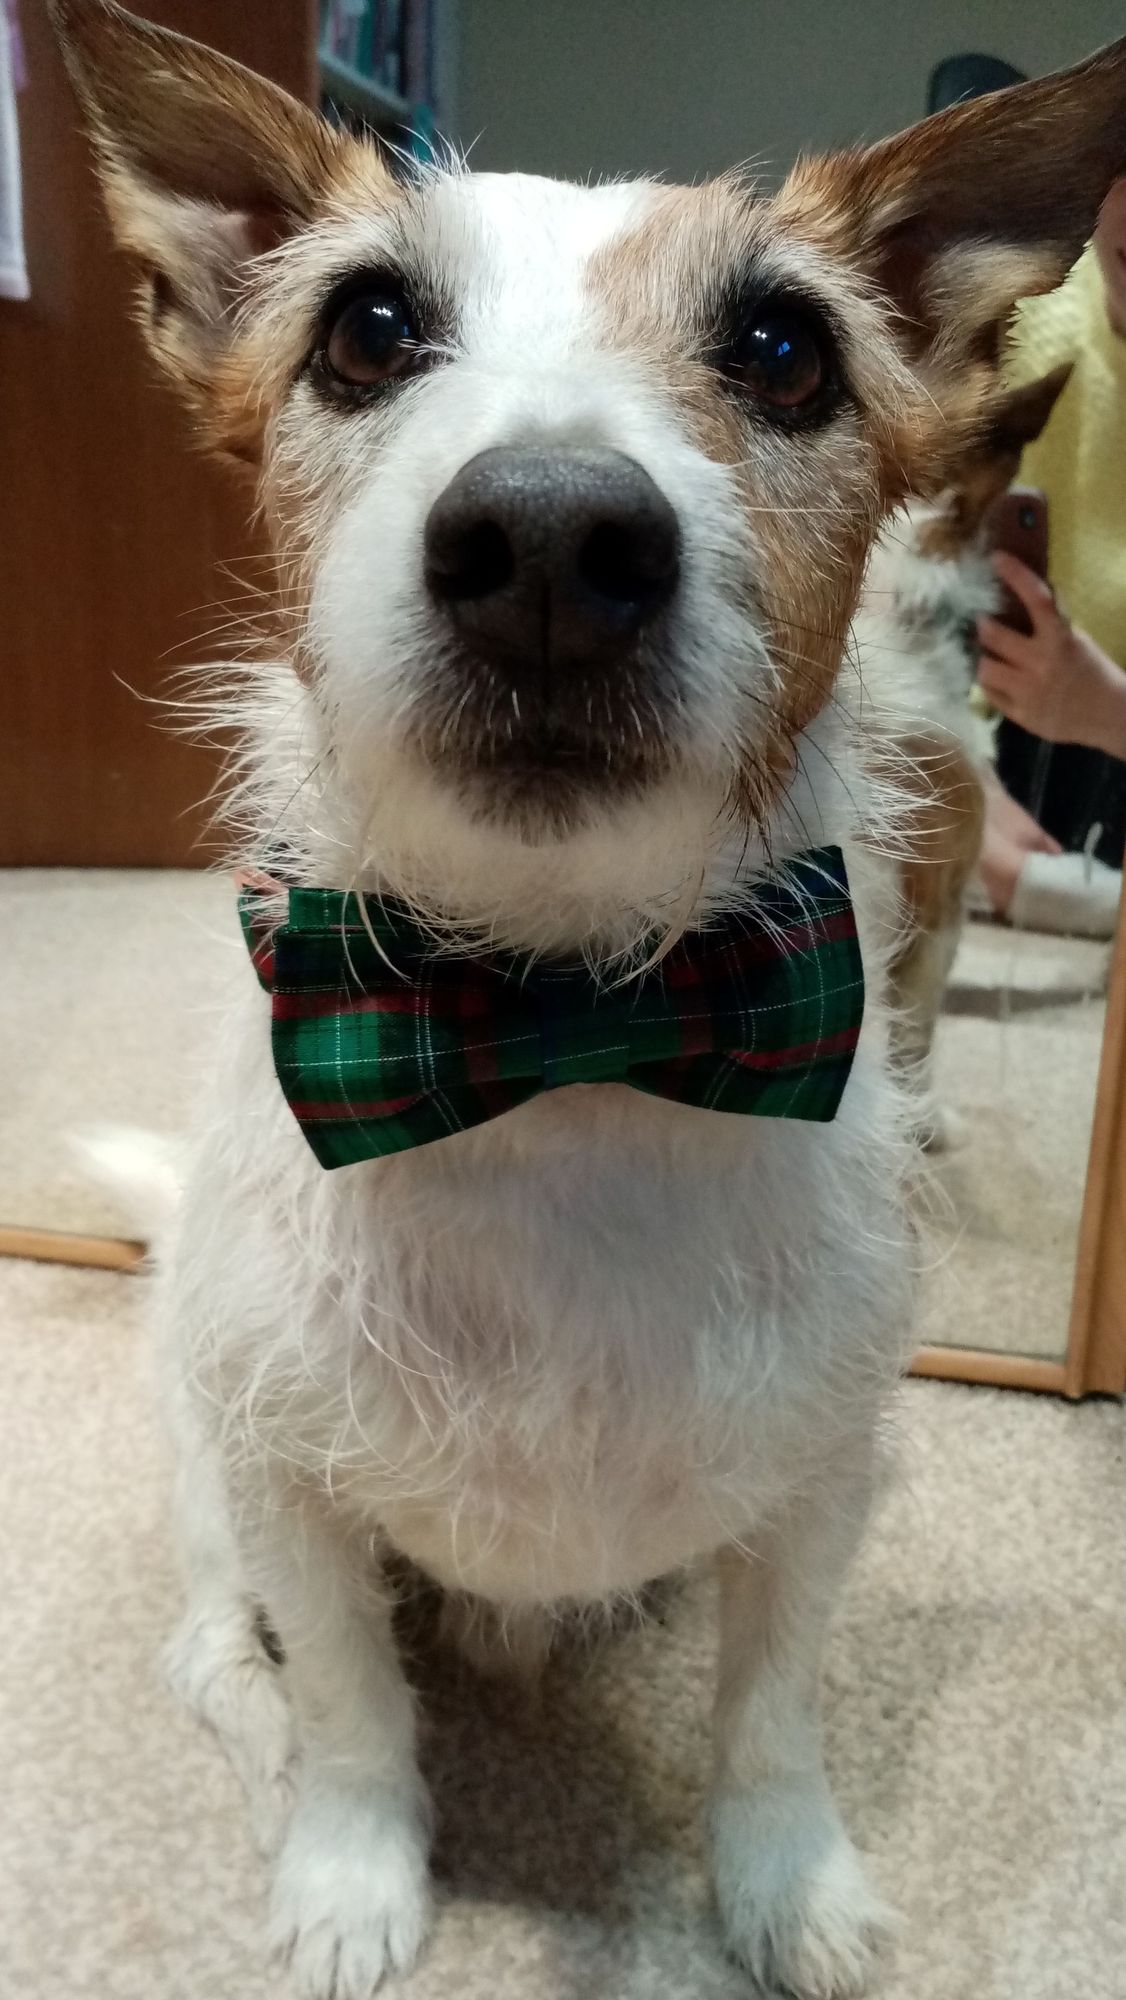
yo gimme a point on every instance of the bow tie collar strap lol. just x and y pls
(382, 1041)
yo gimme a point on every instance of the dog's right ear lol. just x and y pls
(203, 165)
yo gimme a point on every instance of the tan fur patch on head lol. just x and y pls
(811, 499)
(270, 336)
(918, 248)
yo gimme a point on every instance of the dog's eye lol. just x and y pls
(781, 356)
(371, 339)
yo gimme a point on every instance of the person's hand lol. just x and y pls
(1055, 681)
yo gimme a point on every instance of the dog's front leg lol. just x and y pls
(795, 1904)
(351, 1896)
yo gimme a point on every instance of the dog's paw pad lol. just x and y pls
(796, 1905)
(351, 1899)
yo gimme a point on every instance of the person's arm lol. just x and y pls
(1054, 682)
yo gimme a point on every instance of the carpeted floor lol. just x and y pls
(105, 1016)
(976, 1724)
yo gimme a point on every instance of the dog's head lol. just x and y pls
(575, 485)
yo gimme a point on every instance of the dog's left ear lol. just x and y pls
(1018, 417)
(971, 210)
(203, 165)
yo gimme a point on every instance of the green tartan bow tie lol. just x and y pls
(380, 1046)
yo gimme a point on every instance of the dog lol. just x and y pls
(928, 583)
(572, 491)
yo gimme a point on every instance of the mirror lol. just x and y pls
(1017, 1054)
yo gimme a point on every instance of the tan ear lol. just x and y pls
(203, 165)
(971, 210)
(990, 460)
(1017, 417)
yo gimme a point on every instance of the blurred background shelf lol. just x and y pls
(373, 101)
(380, 67)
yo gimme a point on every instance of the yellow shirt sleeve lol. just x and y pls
(1080, 461)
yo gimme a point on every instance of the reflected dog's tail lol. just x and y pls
(142, 1170)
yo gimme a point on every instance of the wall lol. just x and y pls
(686, 87)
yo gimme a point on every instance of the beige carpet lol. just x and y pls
(976, 1725)
(105, 995)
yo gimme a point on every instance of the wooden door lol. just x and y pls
(111, 526)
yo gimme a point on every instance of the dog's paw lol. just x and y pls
(351, 1899)
(796, 1905)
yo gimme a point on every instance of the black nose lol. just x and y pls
(546, 557)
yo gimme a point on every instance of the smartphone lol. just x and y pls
(1018, 523)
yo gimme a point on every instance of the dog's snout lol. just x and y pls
(545, 557)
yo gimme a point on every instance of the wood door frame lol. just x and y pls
(984, 1367)
(65, 1246)
(1096, 1348)
(116, 528)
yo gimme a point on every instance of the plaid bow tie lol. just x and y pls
(382, 1047)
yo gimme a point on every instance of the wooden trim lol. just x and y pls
(999, 1371)
(59, 1246)
(1096, 1347)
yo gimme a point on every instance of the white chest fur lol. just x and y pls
(566, 1352)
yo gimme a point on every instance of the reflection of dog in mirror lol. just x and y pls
(572, 490)
(929, 581)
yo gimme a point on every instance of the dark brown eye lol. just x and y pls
(781, 357)
(371, 339)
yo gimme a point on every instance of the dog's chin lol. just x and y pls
(549, 787)
(546, 783)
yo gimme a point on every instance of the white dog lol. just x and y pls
(572, 491)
